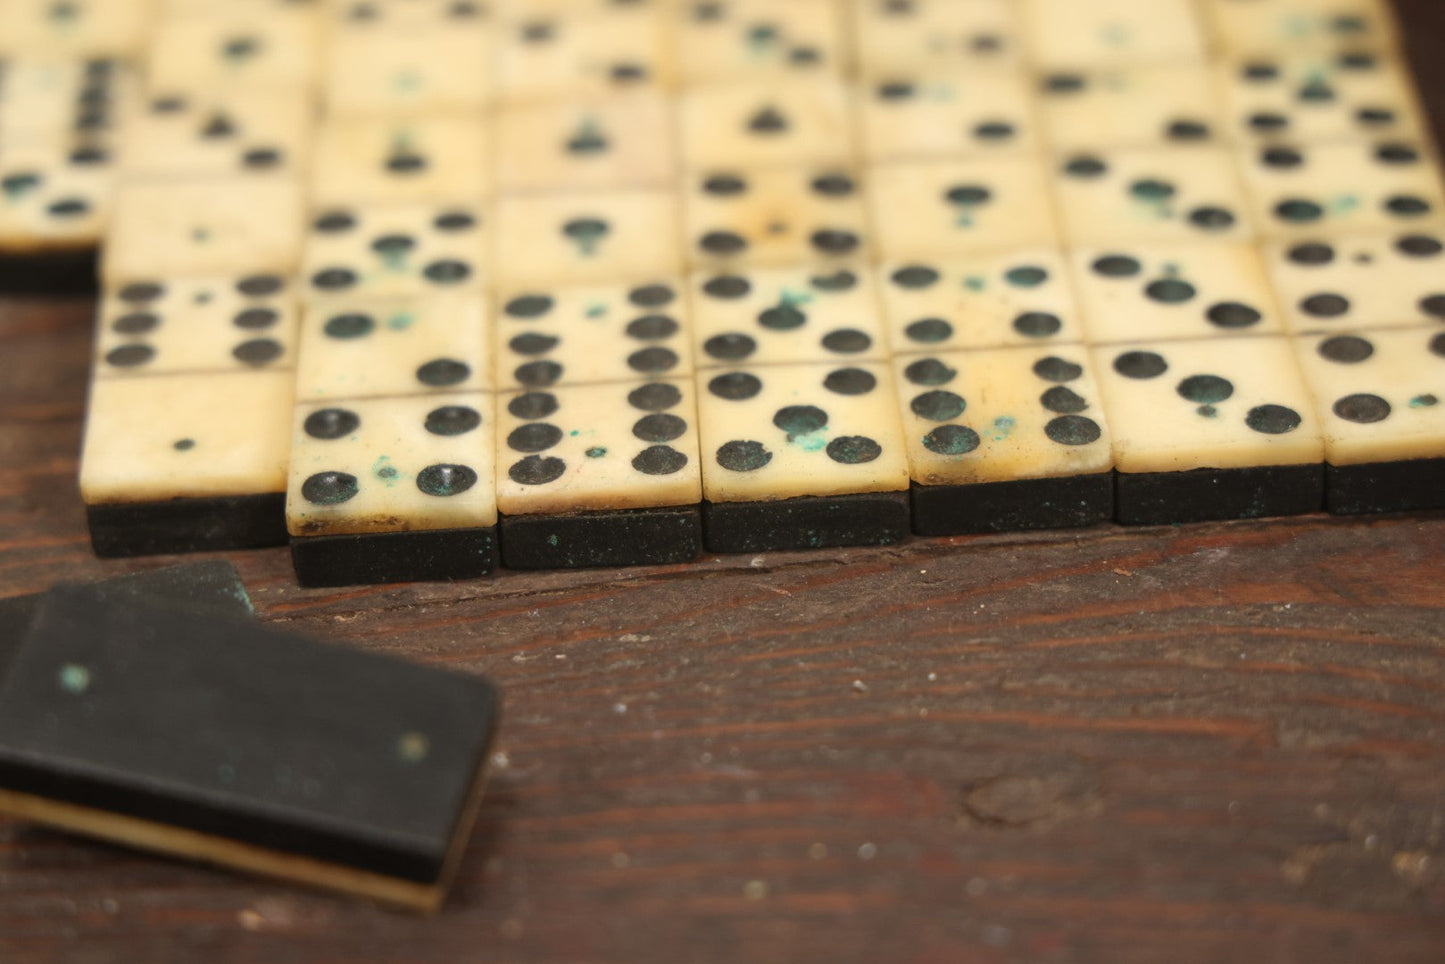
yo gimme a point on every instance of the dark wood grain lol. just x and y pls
(1213, 742)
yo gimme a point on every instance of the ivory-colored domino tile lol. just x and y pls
(747, 124)
(395, 251)
(903, 36)
(349, 17)
(235, 132)
(1220, 403)
(436, 157)
(1380, 395)
(1360, 281)
(597, 236)
(621, 445)
(781, 216)
(770, 316)
(1321, 96)
(1016, 297)
(1002, 415)
(627, 140)
(366, 348)
(1179, 290)
(1347, 187)
(1250, 27)
(439, 68)
(73, 29)
(1138, 105)
(186, 436)
(392, 465)
(1067, 34)
(953, 114)
(933, 209)
(70, 101)
(228, 225)
(51, 201)
(725, 39)
(196, 324)
(235, 46)
(1151, 194)
(555, 57)
(578, 334)
(783, 431)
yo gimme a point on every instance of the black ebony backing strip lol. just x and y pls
(187, 525)
(1202, 495)
(630, 537)
(1385, 487)
(810, 522)
(1061, 503)
(372, 558)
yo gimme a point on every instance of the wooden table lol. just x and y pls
(1201, 743)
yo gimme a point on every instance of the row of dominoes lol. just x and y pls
(783, 361)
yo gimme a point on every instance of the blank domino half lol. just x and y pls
(576, 284)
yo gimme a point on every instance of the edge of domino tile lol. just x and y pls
(375, 558)
(1015, 505)
(121, 529)
(653, 536)
(50, 271)
(806, 522)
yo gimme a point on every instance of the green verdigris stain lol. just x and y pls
(1424, 401)
(1003, 427)
(406, 81)
(401, 321)
(596, 309)
(385, 471)
(74, 678)
(975, 282)
(596, 451)
(1345, 203)
(16, 186)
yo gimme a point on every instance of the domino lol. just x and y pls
(235, 48)
(588, 237)
(368, 348)
(761, 123)
(210, 586)
(725, 39)
(1250, 27)
(393, 489)
(778, 316)
(1005, 439)
(238, 132)
(1142, 194)
(599, 475)
(1219, 428)
(1360, 281)
(544, 56)
(1299, 190)
(412, 67)
(72, 104)
(902, 36)
(958, 114)
(1067, 34)
(215, 226)
(801, 456)
(774, 217)
(623, 141)
(395, 251)
(74, 29)
(1137, 106)
(227, 741)
(584, 334)
(991, 300)
(381, 16)
(53, 211)
(400, 160)
(931, 209)
(1171, 291)
(1378, 397)
(1332, 96)
(194, 324)
(191, 461)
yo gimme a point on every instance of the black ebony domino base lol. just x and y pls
(50, 273)
(1385, 487)
(228, 741)
(1203, 495)
(632, 537)
(809, 522)
(1061, 503)
(187, 525)
(358, 560)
